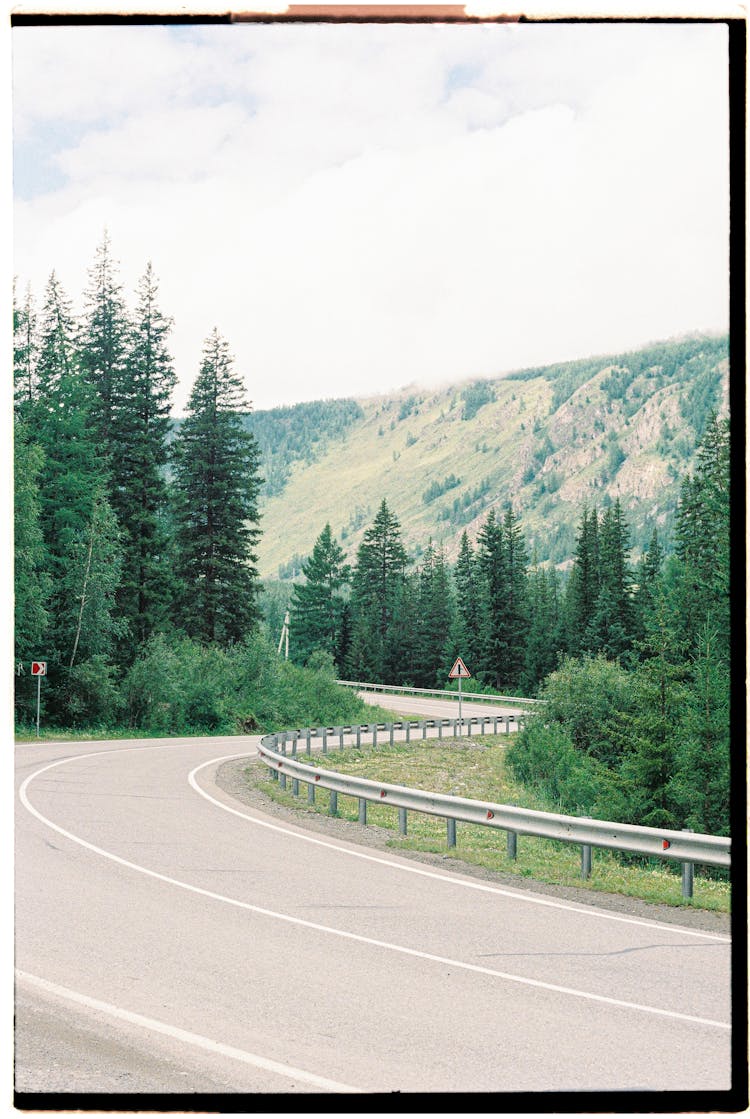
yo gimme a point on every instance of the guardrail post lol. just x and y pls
(494, 728)
(440, 728)
(687, 876)
(295, 787)
(513, 845)
(407, 724)
(507, 724)
(282, 780)
(311, 793)
(424, 728)
(391, 736)
(455, 728)
(341, 738)
(451, 828)
(359, 736)
(362, 810)
(402, 821)
(323, 731)
(585, 856)
(333, 807)
(483, 721)
(307, 741)
(374, 729)
(295, 736)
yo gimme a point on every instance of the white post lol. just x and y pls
(38, 700)
(460, 720)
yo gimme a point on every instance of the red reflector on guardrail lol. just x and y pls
(317, 777)
(665, 844)
(279, 764)
(382, 792)
(490, 815)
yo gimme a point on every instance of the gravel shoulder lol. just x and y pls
(231, 779)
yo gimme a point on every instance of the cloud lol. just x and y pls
(358, 208)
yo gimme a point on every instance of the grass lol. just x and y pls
(475, 768)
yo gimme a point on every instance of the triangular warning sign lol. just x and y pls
(459, 670)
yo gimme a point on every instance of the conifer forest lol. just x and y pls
(136, 580)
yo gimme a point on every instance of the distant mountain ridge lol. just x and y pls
(548, 440)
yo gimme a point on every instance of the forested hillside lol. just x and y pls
(565, 530)
(621, 427)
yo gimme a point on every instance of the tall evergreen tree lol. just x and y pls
(516, 616)
(24, 353)
(464, 635)
(216, 487)
(102, 343)
(140, 426)
(583, 584)
(611, 626)
(703, 540)
(491, 567)
(316, 607)
(377, 584)
(31, 579)
(80, 531)
(543, 643)
(435, 614)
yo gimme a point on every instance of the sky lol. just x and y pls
(359, 208)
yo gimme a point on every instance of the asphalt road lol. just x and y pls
(170, 939)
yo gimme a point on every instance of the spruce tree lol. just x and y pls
(583, 585)
(138, 456)
(543, 642)
(516, 616)
(102, 343)
(612, 624)
(24, 353)
(464, 635)
(377, 584)
(216, 487)
(435, 614)
(80, 531)
(491, 567)
(31, 579)
(316, 606)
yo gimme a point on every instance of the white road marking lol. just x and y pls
(449, 879)
(186, 1036)
(328, 930)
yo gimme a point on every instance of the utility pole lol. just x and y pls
(284, 639)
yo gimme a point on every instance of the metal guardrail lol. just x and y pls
(685, 847)
(468, 697)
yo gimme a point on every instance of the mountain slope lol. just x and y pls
(548, 440)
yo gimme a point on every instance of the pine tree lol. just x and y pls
(24, 353)
(703, 540)
(216, 489)
(316, 607)
(464, 635)
(491, 567)
(611, 627)
(648, 587)
(377, 583)
(140, 426)
(516, 617)
(543, 642)
(435, 614)
(102, 343)
(31, 579)
(79, 529)
(583, 585)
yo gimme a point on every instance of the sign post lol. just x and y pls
(459, 672)
(38, 669)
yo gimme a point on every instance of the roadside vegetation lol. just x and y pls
(477, 768)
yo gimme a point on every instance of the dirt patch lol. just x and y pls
(231, 778)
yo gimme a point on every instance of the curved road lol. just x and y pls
(171, 939)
